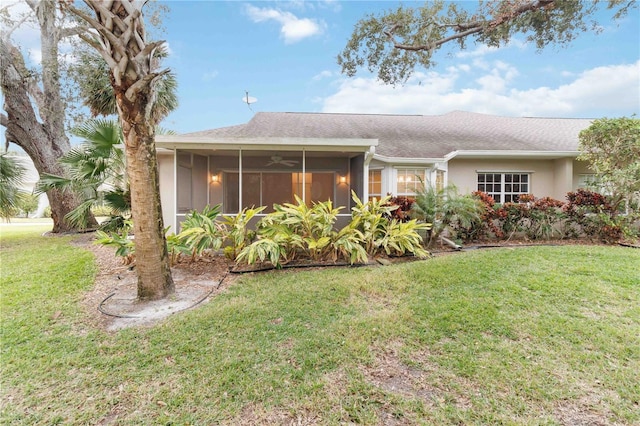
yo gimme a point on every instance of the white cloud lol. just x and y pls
(293, 29)
(484, 50)
(167, 47)
(614, 88)
(479, 51)
(322, 75)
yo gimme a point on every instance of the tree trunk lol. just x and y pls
(152, 258)
(122, 43)
(44, 141)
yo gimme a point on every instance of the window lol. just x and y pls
(269, 188)
(409, 181)
(591, 182)
(504, 187)
(375, 184)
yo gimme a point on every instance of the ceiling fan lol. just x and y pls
(276, 159)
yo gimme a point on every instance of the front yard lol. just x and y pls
(536, 335)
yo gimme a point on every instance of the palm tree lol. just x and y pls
(444, 208)
(96, 170)
(97, 93)
(12, 175)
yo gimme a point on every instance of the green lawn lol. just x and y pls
(535, 336)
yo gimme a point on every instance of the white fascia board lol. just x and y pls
(407, 160)
(511, 154)
(263, 144)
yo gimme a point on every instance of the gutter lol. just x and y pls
(510, 154)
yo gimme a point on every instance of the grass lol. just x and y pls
(539, 335)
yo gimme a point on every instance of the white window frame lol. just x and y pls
(412, 174)
(371, 194)
(506, 184)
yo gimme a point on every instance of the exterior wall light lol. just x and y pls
(215, 178)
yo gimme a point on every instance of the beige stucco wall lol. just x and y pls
(549, 178)
(165, 169)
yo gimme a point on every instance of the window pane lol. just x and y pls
(251, 190)
(276, 189)
(508, 186)
(481, 187)
(497, 178)
(516, 178)
(481, 178)
(507, 178)
(184, 194)
(231, 186)
(525, 178)
(516, 188)
(497, 198)
(321, 187)
(375, 182)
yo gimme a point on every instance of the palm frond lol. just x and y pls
(12, 175)
(48, 182)
(119, 200)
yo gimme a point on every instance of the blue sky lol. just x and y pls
(284, 53)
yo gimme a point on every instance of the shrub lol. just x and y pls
(404, 207)
(201, 232)
(237, 234)
(297, 230)
(485, 225)
(593, 215)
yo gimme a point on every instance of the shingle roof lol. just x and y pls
(416, 136)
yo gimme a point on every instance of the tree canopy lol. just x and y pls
(394, 43)
(612, 148)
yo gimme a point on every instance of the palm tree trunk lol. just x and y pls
(152, 259)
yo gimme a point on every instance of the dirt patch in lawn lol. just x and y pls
(113, 296)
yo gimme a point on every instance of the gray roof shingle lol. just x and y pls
(416, 136)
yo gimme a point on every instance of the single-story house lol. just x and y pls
(320, 156)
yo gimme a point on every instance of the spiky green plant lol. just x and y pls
(12, 175)
(96, 171)
(443, 208)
